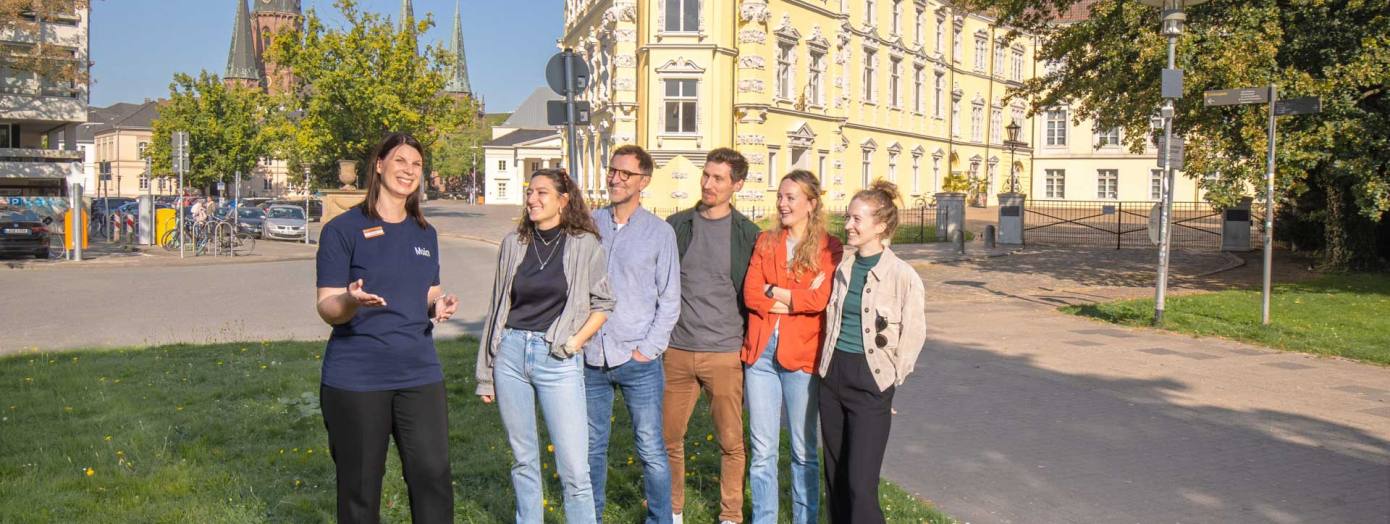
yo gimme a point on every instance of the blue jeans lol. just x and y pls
(642, 384)
(525, 371)
(767, 387)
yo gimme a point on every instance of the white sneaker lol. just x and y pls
(677, 518)
(727, 522)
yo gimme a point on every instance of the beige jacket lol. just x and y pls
(893, 292)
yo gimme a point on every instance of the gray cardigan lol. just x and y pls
(586, 275)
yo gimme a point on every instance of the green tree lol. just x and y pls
(354, 84)
(459, 153)
(1333, 172)
(224, 125)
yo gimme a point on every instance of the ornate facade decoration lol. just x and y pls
(750, 140)
(750, 86)
(752, 36)
(752, 62)
(754, 11)
(624, 61)
(625, 35)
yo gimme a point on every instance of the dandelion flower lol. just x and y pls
(107, 438)
(550, 448)
(91, 472)
(709, 437)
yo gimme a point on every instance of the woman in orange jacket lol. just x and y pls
(786, 290)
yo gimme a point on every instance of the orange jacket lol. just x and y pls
(799, 342)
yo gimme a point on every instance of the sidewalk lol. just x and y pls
(1019, 413)
(103, 254)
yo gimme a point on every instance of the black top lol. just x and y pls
(539, 288)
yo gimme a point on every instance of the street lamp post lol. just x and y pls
(1172, 27)
(306, 204)
(1013, 144)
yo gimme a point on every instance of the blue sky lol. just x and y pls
(138, 45)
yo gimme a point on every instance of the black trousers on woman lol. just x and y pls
(360, 425)
(854, 418)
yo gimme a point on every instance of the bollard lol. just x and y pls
(960, 241)
(989, 237)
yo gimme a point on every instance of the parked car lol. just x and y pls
(23, 233)
(100, 205)
(283, 222)
(315, 207)
(250, 221)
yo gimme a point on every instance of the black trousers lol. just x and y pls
(854, 418)
(360, 425)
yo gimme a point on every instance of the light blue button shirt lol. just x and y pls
(644, 273)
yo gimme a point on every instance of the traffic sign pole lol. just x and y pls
(1165, 232)
(569, 114)
(1269, 210)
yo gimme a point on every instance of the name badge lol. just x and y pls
(373, 232)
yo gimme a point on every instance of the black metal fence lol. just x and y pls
(916, 225)
(1116, 224)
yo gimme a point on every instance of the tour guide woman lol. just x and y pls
(550, 296)
(786, 289)
(875, 327)
(378, 286)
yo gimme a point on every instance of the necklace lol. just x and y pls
(547, 243)
(537, 250)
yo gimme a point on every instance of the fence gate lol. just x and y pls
(1117, 224)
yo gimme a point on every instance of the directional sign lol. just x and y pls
(555, 113)
(1231, 97)
(1307, 105)
(1179, 153)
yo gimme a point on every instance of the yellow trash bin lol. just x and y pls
(165, 220)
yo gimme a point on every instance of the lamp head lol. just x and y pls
(1173, 17)
(1012, 128)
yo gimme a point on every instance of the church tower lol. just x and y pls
(458, 76)
(243, 64)
(272, 17)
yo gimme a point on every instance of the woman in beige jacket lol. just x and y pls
(875, 327)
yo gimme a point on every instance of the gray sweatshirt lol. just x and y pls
(586, 276)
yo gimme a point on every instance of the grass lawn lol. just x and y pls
(232, 433)
(1341, 315)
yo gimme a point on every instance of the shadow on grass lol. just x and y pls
(233, 433)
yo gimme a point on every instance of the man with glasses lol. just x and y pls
(644, 272)
(716, 243)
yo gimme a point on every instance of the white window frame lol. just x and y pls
(997, 68)
(772, 171)
(939, 87)
(1108, 137)
(817, 78)
(866, 173)
(916, 172)
(940, 34)
(870, 59)
(1055, 127)
(897, 17)
(977, 118)
(919, 27)
(955, 117)
(1107, 184)
(501, 165)
(1055, 183)
(981, 51)
(895, 93)
(996, 124)
(786, 69)
(1156, 184)
(869, 8)
(681, 24)
(956, 45)
(919, 88)
(683, 99)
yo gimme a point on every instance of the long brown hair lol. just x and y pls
(575, 219)
(375, 179)
(806, 258)
(884, 195)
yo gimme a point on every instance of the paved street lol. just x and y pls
(1017, 413)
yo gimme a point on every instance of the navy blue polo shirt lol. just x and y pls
(389, 347)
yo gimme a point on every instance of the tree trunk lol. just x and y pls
(1349, 237)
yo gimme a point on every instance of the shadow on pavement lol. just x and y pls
(993, 438)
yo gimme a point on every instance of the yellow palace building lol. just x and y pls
(852, 90)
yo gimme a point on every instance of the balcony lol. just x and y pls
(18, 154)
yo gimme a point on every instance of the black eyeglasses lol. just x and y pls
(622, 174)
(880, 324)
